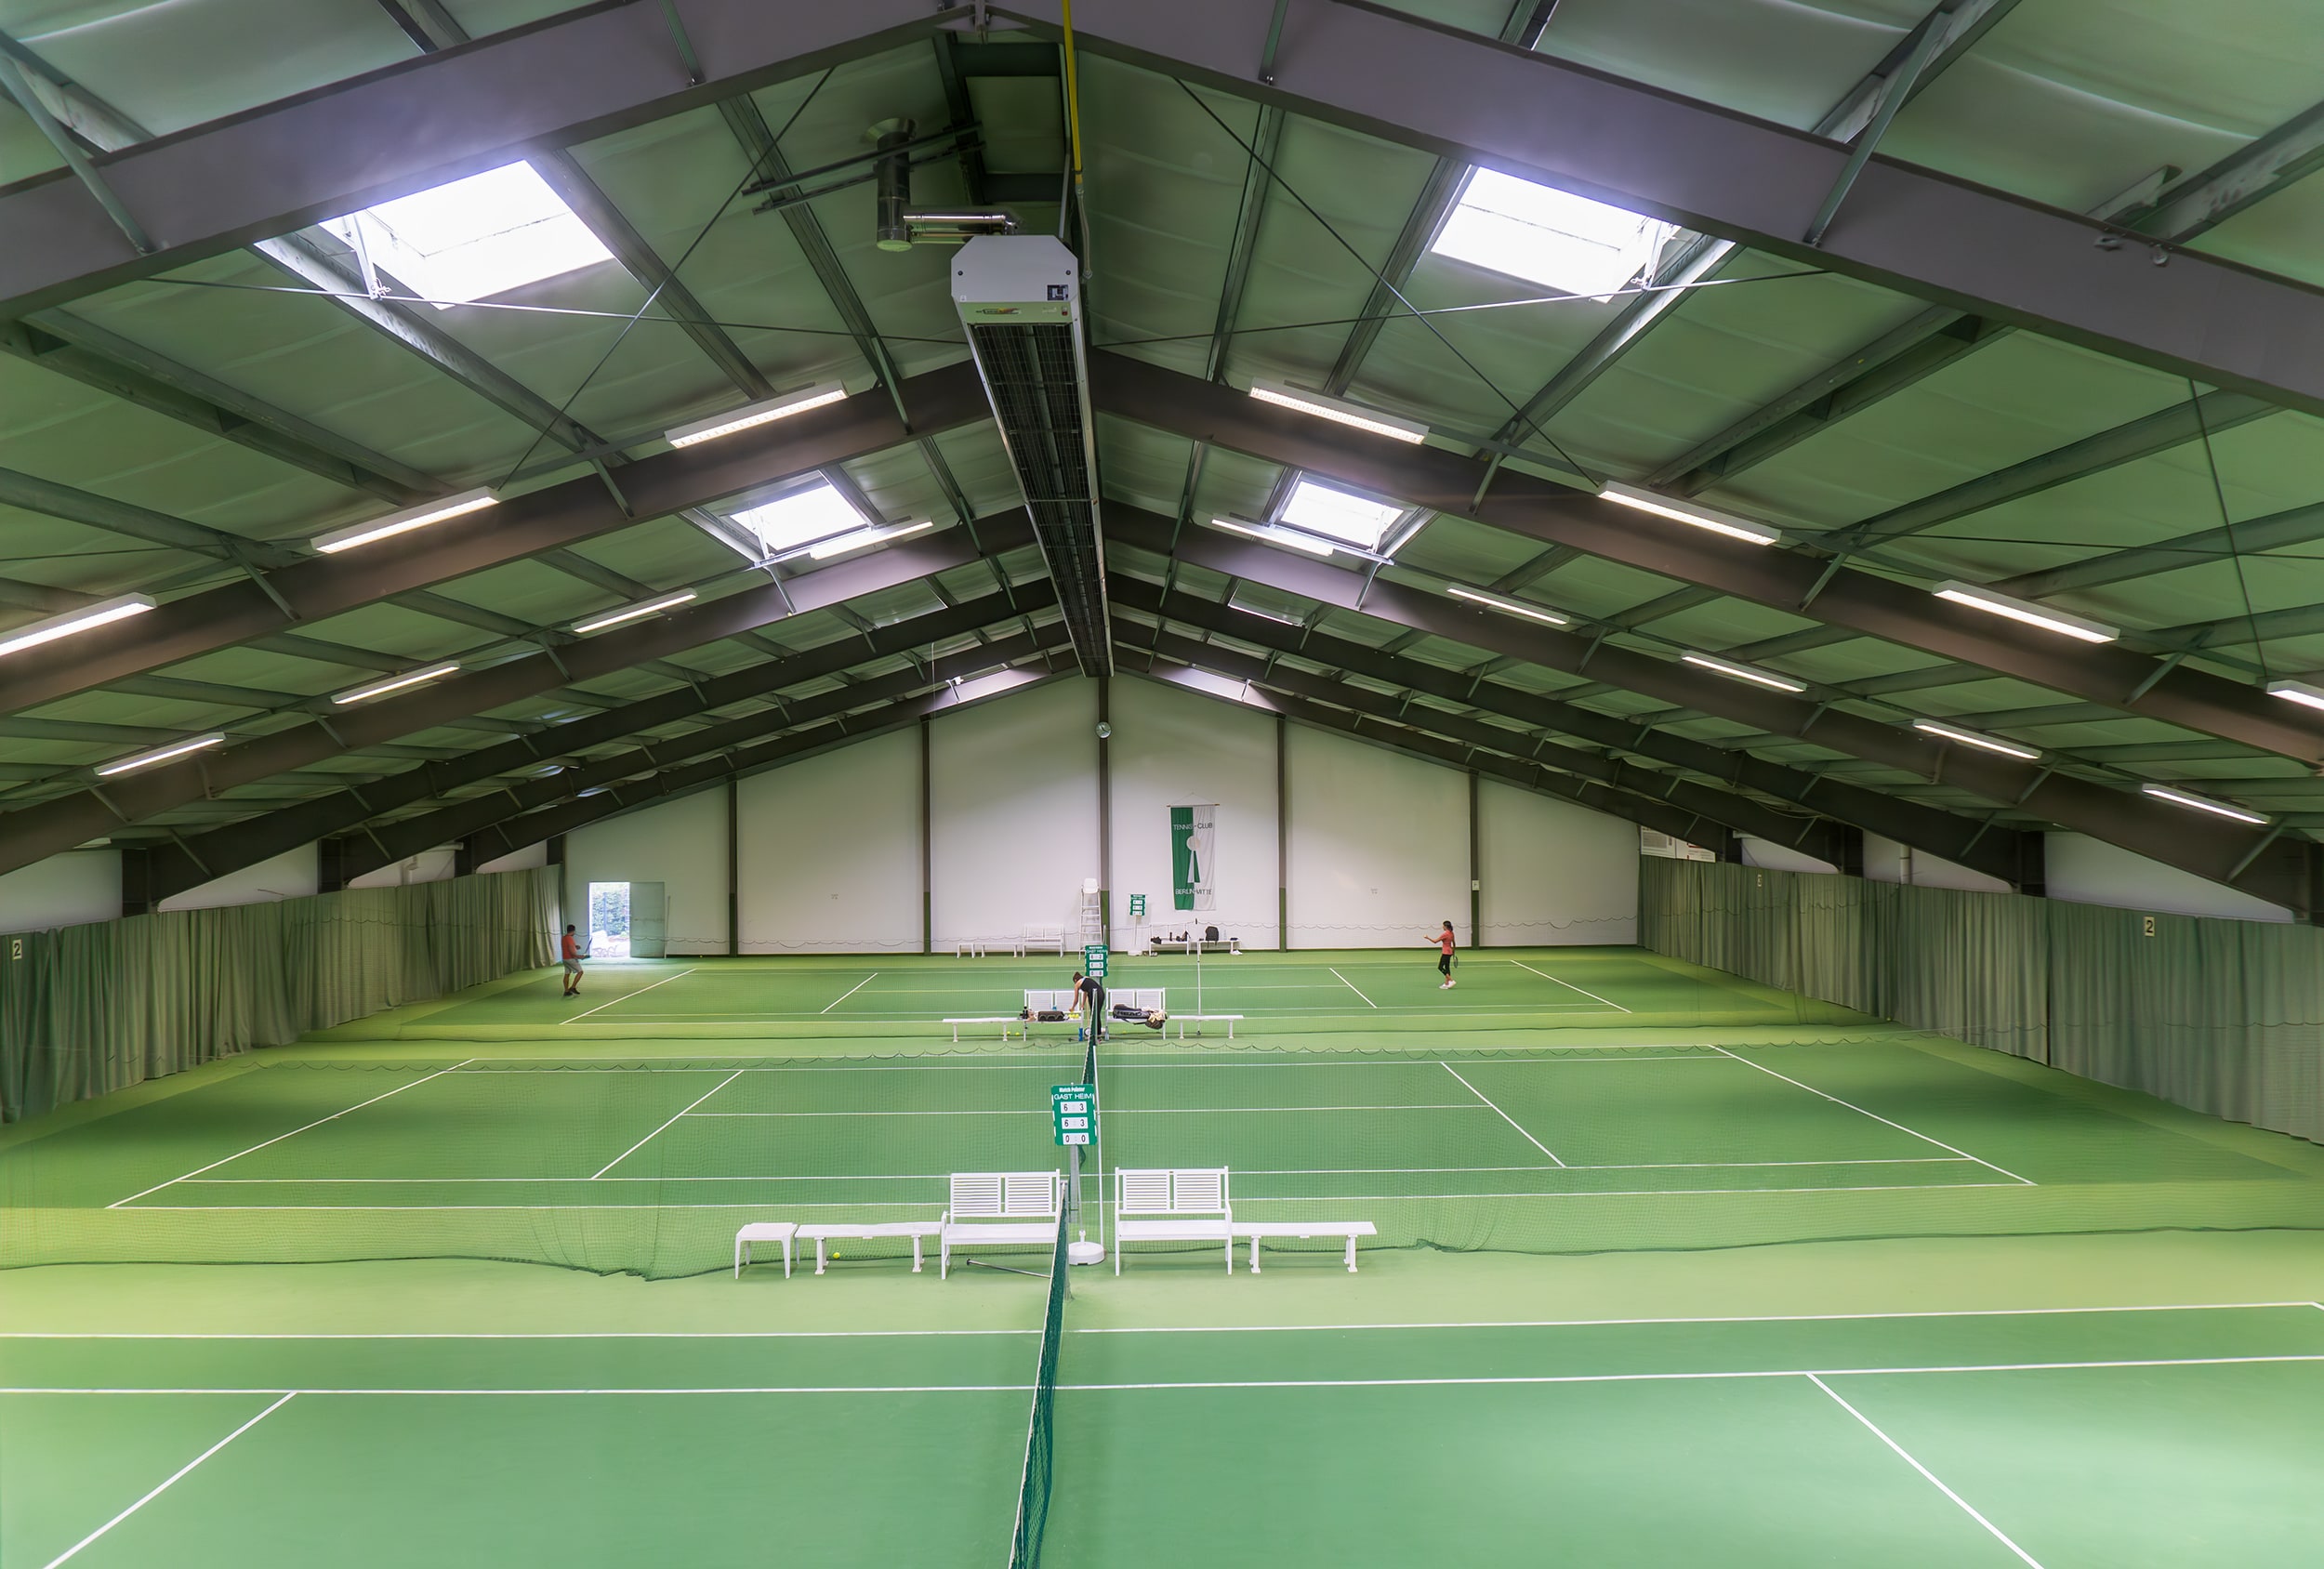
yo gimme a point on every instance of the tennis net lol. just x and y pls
(1040, 1439)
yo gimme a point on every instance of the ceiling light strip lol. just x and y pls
(405, 522)
(636, 613)
(1508, 607)
(1688, 513)
(2302, 692)
(1971, 738)
(1276, 534)
(102, 612)
(2217, 809)
(751, 415)
(160, 755)
(1340, 412)
(395, 684)
(1744, 672)
(1977, 597)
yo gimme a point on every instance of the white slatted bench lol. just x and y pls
(1047, 939)
(764, 1230)
(1350, 1230)
(820, 1232)
(998, 1210)
(1006, 1020)
(1172, 1204)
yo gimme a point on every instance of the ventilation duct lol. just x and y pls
(1020, 301)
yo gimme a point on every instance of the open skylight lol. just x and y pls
(1336, 514)
(1560, 242)
(475, 237)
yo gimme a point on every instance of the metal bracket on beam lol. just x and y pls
(2162, 668)
(686, 56)
(1832, 570)
(1932, 32)
(2035, 784)
(2253, 854)
(12, 78)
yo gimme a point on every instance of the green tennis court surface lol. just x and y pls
(2077, 1440)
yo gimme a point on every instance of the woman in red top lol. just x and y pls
(1445, 955)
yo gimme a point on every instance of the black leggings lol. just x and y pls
(1444, 965)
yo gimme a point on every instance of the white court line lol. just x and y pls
(1118, 1110)
(1930, 1477)
(1141, 1329)
(1717, 1318)
(625, 997)
(1705, 1376)
(657, 1132)
(1353, 987)
(850, 992)
(174, 1476)
(280, 1137)
(1015, 1062)
(1570, 986)
(1504, 1115)
(1876, 1118)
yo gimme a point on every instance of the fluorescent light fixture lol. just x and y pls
(406, 521)
(159, 755)
(993, 685)
(2217, 809)
(1560, 241)
(1979, 598)
(396, 683)
(1744, 672)
(803, 517)
(1688, 513)
(636, 613)
(1265, 615)
(2297, 691)
(1343, 517)
(1340, 412)
(1971, 738)
(1289, 538)
(861, 538)
(1508, 607)
(752, 414)
(475, 237)
(103, 611)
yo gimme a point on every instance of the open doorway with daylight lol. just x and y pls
(609, 920)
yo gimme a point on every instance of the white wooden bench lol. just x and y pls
(764, 1230)
(998, 1210)
(1006, 1020)
(968, 948)
(820, 1232)
(1047, 939)
(1172, 1204)
(1229, 1020)
(1350, 1230)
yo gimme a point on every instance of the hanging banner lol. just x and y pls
(1193, 834)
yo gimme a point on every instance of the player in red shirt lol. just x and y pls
(572, 964)
(1445, 955)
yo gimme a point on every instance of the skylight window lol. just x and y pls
(1336, 514)
(804, 518)
(475, 237)
(1562, 241)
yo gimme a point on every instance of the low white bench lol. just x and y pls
(1229, 1020)
(998, 1210)
(1350, 1230)
(1007, 1023)
(1172, 1204)
(820, 1232)
(968, 948)
(764, 1230)
(1047, 939)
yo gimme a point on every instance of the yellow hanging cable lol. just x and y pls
(1073, 99)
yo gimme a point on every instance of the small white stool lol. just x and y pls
(764, 1230)
(1349, 1230)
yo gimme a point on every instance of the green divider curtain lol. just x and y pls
(88, 1009)
(2220, 1015)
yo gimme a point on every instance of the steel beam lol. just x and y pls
(2252, 539)
(391, 842)
(1787, 580)
(33, 832)
(2211, 848)
(528, 525)
(2252, 173)
(254, 839)
(1956, 838)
